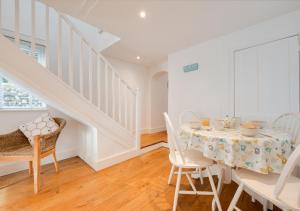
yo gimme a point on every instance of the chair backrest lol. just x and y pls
(287, 171)
(173, 142)
(49, 140)
(187, 114)
(289, 123)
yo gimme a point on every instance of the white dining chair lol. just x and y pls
(282, 190)
(190, 159)
(289, 123)
(188, 116)
(184, 117)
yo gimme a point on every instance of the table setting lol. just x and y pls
(250, 144)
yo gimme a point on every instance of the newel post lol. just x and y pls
(137, 119)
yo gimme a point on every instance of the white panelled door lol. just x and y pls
(267, 79)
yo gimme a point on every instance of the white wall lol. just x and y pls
(67, 145)
(210, 90)
(100, 41)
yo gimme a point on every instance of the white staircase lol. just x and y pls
(73, 77)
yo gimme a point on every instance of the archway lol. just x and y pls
(158, 104)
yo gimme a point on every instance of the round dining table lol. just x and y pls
(265, 153)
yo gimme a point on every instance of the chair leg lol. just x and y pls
(30, 169)
(220, 182)
(171, 174)
(177, 189)
(36, 175)
(200, 175)
(55, 161)
(219, 187)
(37, 165)
(191, 183)
(214, 190)
(252, 198)
(265, 205)
(236, 197)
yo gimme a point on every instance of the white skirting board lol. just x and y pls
(12, 167)
(153, 130)
(115, 159)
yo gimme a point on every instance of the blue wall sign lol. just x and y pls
(190, 67)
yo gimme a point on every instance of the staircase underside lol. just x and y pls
(25, 71)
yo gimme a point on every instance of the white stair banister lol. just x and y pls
(71, 58)
(81, 67)
(126, 105)
(90, 66)
(98, 81)
(59, 48)
(137, 117)
(17, 22)
(1, 16)
(106, 88)
(47, 52)
(33, 32)
(119, 98)
(113, 95)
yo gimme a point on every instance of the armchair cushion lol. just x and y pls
(42, 125)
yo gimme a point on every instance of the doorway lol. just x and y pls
(158, 105)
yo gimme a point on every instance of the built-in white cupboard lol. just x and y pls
(266, 79)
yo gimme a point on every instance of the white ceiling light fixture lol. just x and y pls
(138, 57)
(143, 14)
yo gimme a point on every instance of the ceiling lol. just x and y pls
(170, 25)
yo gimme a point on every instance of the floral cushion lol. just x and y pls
(42, 125)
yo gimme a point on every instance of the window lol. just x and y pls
(14, 97)
(25, 46)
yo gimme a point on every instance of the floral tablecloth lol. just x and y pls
(264, 153)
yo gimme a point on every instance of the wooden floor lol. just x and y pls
(138, 184)
(153, 138)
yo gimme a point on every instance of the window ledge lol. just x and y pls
(23, 109)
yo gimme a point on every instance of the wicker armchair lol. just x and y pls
(16, 147)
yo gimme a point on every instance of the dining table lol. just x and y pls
(265, 153)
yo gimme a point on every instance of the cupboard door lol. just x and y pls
(267, 79)
(246, 84)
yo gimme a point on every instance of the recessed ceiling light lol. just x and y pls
(143, 14)
(138, 57)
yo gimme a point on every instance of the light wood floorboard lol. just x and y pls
(137, 184)
(153, 138)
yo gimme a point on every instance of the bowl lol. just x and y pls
(260, 124)
(195, 125)
(250, 132)
(249, 129)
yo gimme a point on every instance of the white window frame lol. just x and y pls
(25, 46)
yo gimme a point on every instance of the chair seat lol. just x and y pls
(264, 185)
(23, 150)
(193, 159)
